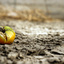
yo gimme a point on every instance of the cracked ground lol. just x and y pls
(35, 43)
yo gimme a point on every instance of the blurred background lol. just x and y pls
(32, 10)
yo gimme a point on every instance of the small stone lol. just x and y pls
(57, 34)
(12, 55)
(57, 52)
(20, 62)
(16, 41)
(21, 55)
(53, 59)
(28, 61)
(38, 57)
(6, 45)
(9, 62)
(44, 61)
(62, 60)
(2, 59)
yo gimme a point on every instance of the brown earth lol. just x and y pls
(35, 43)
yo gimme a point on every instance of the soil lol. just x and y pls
(35, 43)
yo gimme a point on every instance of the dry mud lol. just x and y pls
(35, 43)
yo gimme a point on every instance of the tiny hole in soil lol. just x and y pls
(57, 53)
(55, 62)
(41, 54)
(49, 49)
(30, 53)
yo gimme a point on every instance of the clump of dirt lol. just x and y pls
(31, 47)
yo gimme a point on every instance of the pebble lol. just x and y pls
(20, 62)
(52, 59)
(38, 57)
(12, 55)
(9, 62)
(2, 59)
(44, 61)
(21, 55)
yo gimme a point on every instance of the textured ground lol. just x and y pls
(35, 43)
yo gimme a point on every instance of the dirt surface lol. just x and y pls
(35, 43)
